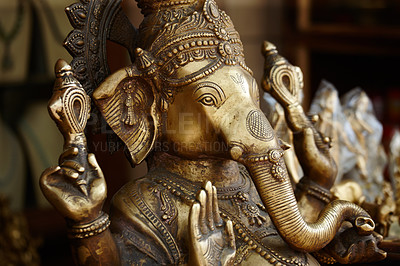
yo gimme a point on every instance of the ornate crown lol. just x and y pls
(206, 35)
(148, 6)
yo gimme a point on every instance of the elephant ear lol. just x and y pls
(127, 101)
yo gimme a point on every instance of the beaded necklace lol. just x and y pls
(186, 191)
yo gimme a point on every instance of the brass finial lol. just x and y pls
(64, 75)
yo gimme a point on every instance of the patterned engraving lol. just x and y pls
(239, 80)
(213, 253)
(127, 113)
(258, 126)
(250, 209)
(76, 105)
(278, 171)
(146, 210)
(204, 35)
(70, 105)
(250, 236)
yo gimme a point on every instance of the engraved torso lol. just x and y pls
(158, 206)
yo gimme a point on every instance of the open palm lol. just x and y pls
(211, 242)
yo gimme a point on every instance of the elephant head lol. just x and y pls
(190, 88)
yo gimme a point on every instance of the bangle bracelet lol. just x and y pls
(313, 189)
(95, 227)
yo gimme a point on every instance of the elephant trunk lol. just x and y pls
(270, 177)
(256, 147)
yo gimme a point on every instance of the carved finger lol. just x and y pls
(202, 198)
(47, 180)
(93, 162)
(310, 146)
(68, 172)
(377, 236)
(68, 153)
(231, 234)
(310, 137)
(50, 171)
(46, 177)
(73, 165)
(209, 206)
(99, 182)
(194, 221)
(217, 218)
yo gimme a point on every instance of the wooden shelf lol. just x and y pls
(335, 30)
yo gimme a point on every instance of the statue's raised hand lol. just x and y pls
(211, 243)
(285, 82)
(76, 187)
(318, 165)
(77, 192)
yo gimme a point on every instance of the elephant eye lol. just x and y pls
(209, 94)
(208, 100)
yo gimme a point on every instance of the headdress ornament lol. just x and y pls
(208, 35)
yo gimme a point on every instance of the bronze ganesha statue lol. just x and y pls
(189, 105)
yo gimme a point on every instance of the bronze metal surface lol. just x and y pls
(217, 190)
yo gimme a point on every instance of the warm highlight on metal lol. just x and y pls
(217, 191)
(282, 207)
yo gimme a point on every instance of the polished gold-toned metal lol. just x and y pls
(284, 82)
(69, 107)
(189, 106)
(99, 225)
(276, 116)
(77, 187)
(210, 243)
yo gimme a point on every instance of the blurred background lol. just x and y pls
(350, 43)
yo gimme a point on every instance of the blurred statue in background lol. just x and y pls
(360, 175)
(358, 109)
(331, 122)
(217, 191)
(369, 171)
(394, 168)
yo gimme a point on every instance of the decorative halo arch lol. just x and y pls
(95, 22)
